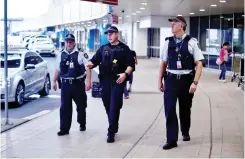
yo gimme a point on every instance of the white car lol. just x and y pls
(27, 75)
(44, 46)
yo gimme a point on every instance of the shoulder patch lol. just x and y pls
(85, 55)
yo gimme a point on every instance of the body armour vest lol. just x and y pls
(178, 53)
(69, 66)
(111, 61)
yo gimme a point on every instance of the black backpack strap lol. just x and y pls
(171, 38)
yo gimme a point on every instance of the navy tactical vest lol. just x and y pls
(186, 58)
(65, 70)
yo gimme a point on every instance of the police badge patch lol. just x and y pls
(86, 55)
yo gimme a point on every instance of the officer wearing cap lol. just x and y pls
(115, 62)
(71, 69)
(181, 68)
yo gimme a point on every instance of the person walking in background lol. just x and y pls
(127, 90)
(224, 57)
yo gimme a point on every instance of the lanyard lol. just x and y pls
(178, 48)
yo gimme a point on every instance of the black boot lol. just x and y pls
(62, 133)
(186, 138)
(168, 146)
(82, 128)
(110, 137)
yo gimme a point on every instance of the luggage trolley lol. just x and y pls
(236, 67)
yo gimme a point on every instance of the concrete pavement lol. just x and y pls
(216, 131)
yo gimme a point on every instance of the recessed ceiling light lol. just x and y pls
(120, 17)
(127, 16)
(213, 5)
(145, 4)
(223, 1)
(179, 15)
(142, 8)
(89, 22)
(192, 13)
(138, 12)
(202, 10)
(89, 25)
(134, 13)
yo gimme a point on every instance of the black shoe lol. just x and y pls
(168, 146)
(62, 133)
(110, 137)
(82, 128)
(186, 138)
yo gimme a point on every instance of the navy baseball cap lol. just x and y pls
(70, 37)
(178, 19)
(112, 29)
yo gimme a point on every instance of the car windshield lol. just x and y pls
(41, 41)
(13, 60)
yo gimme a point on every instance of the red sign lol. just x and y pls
(110, 2)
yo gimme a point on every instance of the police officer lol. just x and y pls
(115, 62)
(72, 71)
(181, 68)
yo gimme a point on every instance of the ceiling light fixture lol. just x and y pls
(120, 17)
(223, 1)
(138, 12)
(213, 5)
(134, 13)
(127, 16)
(89, 22)
(142, 8)
(145, 4)
(179, 15)
(192, 13)
(202, 10)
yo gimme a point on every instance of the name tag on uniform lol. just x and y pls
(179, 66)
(71, 65)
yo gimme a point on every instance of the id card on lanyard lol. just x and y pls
(178, 63)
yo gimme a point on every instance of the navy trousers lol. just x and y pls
(75, 91)
(112, 97)
(177, 89)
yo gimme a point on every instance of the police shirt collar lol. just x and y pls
(74, 50)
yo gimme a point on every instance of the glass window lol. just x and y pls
(30, 59)
(153, 43)
(194, 24)
(214, 41)
(238, 33)
(227, 34)
(204, 26)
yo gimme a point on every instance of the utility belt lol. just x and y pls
(72, 80)
(189, 76)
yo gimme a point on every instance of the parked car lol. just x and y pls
(33, 38)
(27, 75)
(44, 46)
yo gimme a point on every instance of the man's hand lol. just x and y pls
(54, 86)
(121, 78)
(193, 88)
(161, 87)
(88, 86)
(89, 65)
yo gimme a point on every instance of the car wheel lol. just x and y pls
(46, 87)
(20, 94)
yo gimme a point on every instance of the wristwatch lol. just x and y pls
(195, 82)
(126, 74)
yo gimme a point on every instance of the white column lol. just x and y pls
(139, 40)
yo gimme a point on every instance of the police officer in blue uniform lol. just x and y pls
(71, 69)
(115, 62)
(181, 68)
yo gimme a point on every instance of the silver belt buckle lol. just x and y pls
(70, 81)
(178, 76)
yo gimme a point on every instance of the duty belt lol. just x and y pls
(180, 76)
(72, 80)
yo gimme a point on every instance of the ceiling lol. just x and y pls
(174, 8)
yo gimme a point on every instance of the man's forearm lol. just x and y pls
(89, 74)
(56, 76)
(163, 67)
(129, 69)
(198, 70)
